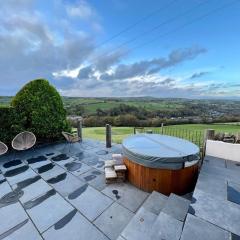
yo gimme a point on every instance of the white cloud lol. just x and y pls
(82, 10)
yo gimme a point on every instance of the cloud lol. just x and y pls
(82, 10)
(30, 48)
(198, 75)
(147, 67)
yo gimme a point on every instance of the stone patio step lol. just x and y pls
(140, 225)
(155, 202)
(166, 227)
(176, 207)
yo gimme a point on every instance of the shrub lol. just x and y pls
(10, 124)
(41, 108)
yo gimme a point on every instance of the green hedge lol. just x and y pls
(11, 123)
(41, 109)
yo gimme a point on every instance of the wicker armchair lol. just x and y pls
(70, 139)
(3, 148)
(23, 141)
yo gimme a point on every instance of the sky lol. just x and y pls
(122, 48)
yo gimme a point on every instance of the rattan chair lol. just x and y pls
(71, 138)
(23, 141)
(3, 148)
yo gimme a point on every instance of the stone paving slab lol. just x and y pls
(224, 173)
(198, 229)
(49, 171)
(113, 220)
(14, 177)
(233, 165)
(65, 183)
(34, 163)
(140, 226)
(126, 195)
(214, 161)
(166, 227)
(224, 214)
(33, 190)
(11, 165)
(24, 230)
(11, 216)
(90, 202)
(4, 188)
(73, 226)
(208, 183)
(94, 178)
(233, 193)
(84, 168)
(155, 202)
(47, 210)
(63, 162)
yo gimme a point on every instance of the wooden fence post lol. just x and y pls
(79, 128)
(134, 130)
(162, 128)
(108, 136)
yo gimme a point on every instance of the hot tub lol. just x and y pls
(161, 163)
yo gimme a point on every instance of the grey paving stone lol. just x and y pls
(39, 164)
(90, 202)
(33, 190)
(11, 216)
(12, 164)
(73, 227)
(139, 228)
(233, 192)
(77, 168)
(224, 214)
(113, 220)
(198, 229)
(176, 207)
(29, 173)
(233, 165)
(126, 194)
(166, 227)
(53, 172)
(218, 162)
(4, 188)
(65, 183)
(94, 178)
(155, 202)
(63, 162)
(120, 238)
(212, 185)
(24, 230)
(224, 173)
(46, 212)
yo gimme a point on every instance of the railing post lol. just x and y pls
(108, 136)
(134, 130)
(79, 128)
(162, 128)
(208, 135)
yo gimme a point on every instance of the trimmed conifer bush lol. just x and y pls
(41, 108)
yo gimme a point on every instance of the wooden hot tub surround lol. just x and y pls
(166, 181)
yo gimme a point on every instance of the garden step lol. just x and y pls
(155, 202)
(176, 207)
(166, 227)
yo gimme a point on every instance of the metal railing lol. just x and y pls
(195, 136)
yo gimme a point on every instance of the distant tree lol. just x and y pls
(41, 107)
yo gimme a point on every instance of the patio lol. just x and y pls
(51, 193)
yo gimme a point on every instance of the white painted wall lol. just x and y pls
(223, 150)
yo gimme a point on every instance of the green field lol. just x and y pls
(188, 131)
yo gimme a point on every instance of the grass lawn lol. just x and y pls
(119, 133)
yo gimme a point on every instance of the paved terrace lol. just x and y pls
(52, 193)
